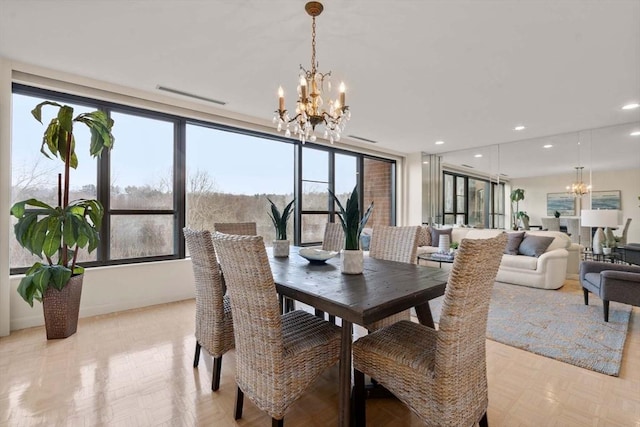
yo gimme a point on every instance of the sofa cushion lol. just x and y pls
(534, 245)
(424, 238)
(513, 242)
(519, 262)
(560, 239)
(437, 232)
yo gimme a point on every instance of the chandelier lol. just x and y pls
(578, 188)
(311, 106)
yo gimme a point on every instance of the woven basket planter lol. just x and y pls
(61, 309)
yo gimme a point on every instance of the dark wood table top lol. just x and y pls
(384, 288)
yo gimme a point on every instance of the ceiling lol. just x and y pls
(465, 72)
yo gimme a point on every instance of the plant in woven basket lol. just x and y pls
(55, 234)
(352, 223)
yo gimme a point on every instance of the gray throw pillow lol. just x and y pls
(513, 242)
(436, 233)
(534, 245)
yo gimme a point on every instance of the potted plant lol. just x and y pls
(556, 214)
(55, 234)
(524, 219)
(352, 224)
(281, 244)
(517, 195)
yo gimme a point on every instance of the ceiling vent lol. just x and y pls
(467, 166)
(190, 95)
(363, 139)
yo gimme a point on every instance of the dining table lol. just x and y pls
(384, 288)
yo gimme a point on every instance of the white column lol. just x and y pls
(413, 168)
(5, 192)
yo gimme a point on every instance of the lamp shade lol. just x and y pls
(599, 217)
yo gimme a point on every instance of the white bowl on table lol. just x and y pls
(316, 256)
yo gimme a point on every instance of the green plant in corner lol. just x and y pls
(517, 195)
(350, 219)
(280, 220)
(55, 234)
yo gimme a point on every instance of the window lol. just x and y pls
(472, 201)
(230, 175)
(166, 172)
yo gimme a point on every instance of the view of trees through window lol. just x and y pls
(166, 172)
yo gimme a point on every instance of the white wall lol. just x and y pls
(627, 181)
(413, 190)
(5, 192)
(116, 288)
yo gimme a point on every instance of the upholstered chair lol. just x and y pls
(394, 244)
(610, 282)
(214, 325)
(439, 374)
(277, 356)
(241, 228)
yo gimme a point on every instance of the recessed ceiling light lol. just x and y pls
(519, 127)
(631, 106)
(425, 163)
(547, 146)
(635, 133)
(477, 155)
(439, 142)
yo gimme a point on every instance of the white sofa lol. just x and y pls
(548, 271)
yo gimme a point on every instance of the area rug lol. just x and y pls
(557, 325)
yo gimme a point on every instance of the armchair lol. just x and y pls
(610, 282)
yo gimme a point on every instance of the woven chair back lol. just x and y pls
(460, 360)
(256, 314)
(210, 324)
(333, 237)
(240, 228)
(395, 243)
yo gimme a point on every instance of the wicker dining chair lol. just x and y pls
(277, 356)
(214, 324)
(394, 244)
(441, 375)
(241, 228)
(333, 237)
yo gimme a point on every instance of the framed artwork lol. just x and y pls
(605, 199)
(561, 202)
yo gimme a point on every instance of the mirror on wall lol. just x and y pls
(608, 160)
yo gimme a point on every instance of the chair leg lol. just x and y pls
(277, 423)
(484, 421)
(239, 400)
(586, 296)
(217, 369)
(359, 409)
(605, 306)
(196, 356)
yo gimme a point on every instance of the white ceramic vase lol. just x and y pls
(352, 261)
(280, 248)
(443, 244)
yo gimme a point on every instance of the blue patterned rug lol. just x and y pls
(558, 325)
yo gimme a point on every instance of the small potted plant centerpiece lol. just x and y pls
(524, 219)
(56, 234)
(352, 257)
(281, 244)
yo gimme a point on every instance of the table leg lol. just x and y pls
(344, 394)
(424, 315)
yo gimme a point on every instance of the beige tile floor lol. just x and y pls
(134, 368)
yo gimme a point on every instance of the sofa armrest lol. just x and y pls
(552, 254)
(599, 266)
(627, 276)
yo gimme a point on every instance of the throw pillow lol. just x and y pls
(424, 239)
(513, 242)
(436, 233)
(534, 245)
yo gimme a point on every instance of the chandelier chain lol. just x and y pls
(313, 45)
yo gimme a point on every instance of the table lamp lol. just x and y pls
(599, 218)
